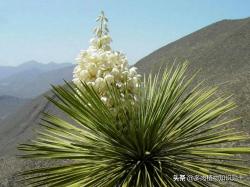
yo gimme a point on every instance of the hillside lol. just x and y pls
(19, 128)
(10, 104)
(220, 50)
(222, 47)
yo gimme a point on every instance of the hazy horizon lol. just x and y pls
(35, 61)
(57, 30)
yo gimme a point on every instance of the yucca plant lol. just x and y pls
(171, 130)
(126, 133)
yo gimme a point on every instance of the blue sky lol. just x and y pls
(56, 30)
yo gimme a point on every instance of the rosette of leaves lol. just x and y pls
(171, 129)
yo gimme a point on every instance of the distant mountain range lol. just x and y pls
(31, 79)
(19, 84)
(6, 71)
(220, 50)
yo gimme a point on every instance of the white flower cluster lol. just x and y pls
(100, 66)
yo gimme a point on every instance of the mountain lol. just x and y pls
(222, 47)
(6, 71)
(29, 84)
(41, 66)
(19, 125)
(10, 104)
(33, 78)
(220, 50)
(16, 83)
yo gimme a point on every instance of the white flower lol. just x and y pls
(100, 84)
(115, 72)
(76, 81)
(84, 75)
(104, 99)
(125, 74)
(132, 83)
(109, 78)
(135, 81)
(92, 68)
(77, 69)
(100, 66)
(132, 71)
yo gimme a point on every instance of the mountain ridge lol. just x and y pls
(6, 71)
(221, 51)
(223, 26)
(35, 79)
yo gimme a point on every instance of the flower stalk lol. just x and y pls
(100, 66)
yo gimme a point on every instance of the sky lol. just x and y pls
(56, 30)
